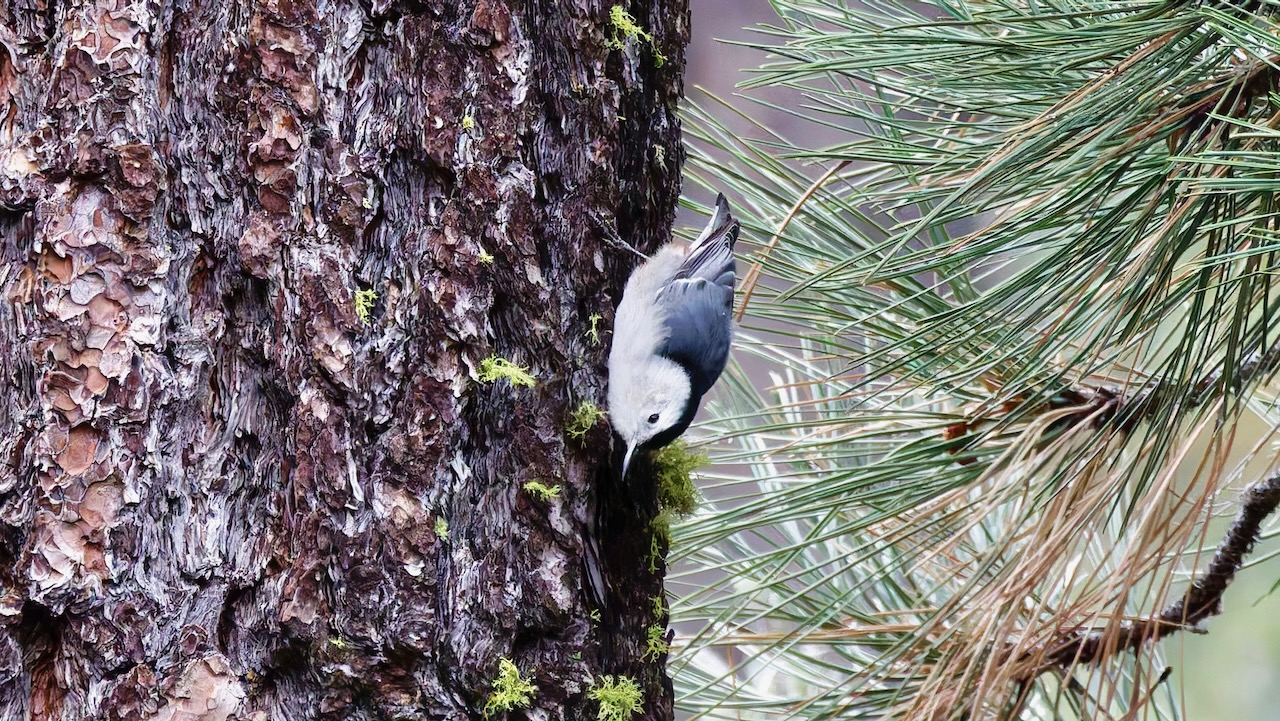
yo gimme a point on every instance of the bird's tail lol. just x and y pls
(711, 254)
(720, 221)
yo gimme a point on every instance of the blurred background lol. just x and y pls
(1232, 671)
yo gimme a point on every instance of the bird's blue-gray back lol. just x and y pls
(698, 303)
(697, 319)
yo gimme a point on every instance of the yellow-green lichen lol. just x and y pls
(510, 690)
(485, 257)
(593, 333)
(619, 698)
(655, 643)
(364, 300)
(624, 28)
(541, 491)
(659, 539)
(494, 368)
(468, 122)
(442, 528)
(659, 606)
(583, 419)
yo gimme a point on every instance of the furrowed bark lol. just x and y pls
(224, 491)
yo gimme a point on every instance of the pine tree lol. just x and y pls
(1018, 318)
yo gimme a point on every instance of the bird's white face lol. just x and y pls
(646, 400)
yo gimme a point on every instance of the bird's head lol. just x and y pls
(647, 402)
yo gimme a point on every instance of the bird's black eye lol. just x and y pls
(653, 418)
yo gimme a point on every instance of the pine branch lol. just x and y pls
(1102, 405)
(1019, 199)
(1202, 600)
(1230, 95)
(1105, 404)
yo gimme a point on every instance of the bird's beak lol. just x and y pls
(626, 461)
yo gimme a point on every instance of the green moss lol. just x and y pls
(624, 28)
(674, 466)
(510, 689)
(541, 491)
(655, 643)
(583, 419)
(442, 528)
(619, 699)
(364, 300)
(494, 368)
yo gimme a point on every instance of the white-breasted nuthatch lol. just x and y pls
(671, 336)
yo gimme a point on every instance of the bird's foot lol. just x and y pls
(611, 236)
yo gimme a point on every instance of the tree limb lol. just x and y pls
(1201, 601)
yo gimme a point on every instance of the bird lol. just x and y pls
(671, 336)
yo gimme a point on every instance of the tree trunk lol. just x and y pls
(236, 486)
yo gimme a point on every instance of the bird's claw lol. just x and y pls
(610, 234)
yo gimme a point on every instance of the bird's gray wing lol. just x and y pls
(696, 315)
(697, 304)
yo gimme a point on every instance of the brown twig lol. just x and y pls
(753, 275)
(1202, 600)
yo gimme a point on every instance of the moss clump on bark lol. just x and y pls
(583, 419)
(364, 300)
(655, 643)
(673, 467)
(541, 491)
(626, 28)
(619, 698)
(510, 689)
(494, 368)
